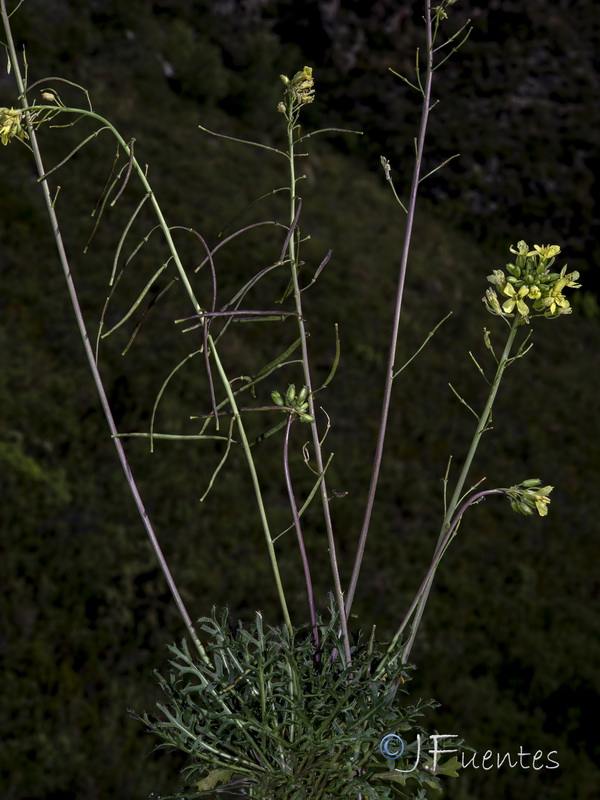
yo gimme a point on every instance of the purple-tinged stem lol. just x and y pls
(298, 526)
(437, 557)
(396, 323)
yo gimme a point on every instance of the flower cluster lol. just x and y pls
(294, 403)
(440, 11)
(529, 496)
(300, 91)
(10, 125)
(530, 287)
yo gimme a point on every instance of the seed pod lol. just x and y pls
(290, 395)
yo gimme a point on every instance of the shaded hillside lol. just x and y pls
(519, 103)
(509, 642)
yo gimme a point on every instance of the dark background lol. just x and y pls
(509, 645)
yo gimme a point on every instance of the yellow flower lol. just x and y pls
(546, 250)
(302, 86)
(10, 125)
(529, 497)
(534, 292)
(566, 280)
(540, 496)
(303, 79)
(515, 299)
(491, 302)
(522, 249)
(556, 300)
(498, 278)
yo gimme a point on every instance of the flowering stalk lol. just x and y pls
(300, 92)
(458, 491)
(525, 498)
(441, 548)
(529, 281)
(530, 287)
(17, 132)
(11, 128)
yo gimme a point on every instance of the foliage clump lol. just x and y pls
(268, 716)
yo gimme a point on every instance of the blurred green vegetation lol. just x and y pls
(509, 645)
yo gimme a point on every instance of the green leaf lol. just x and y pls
(213, 778)
(449, 768)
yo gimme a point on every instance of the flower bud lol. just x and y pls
(303, 394)
(290, 395)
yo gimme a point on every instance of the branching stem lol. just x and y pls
(89, 350)
(458, 491)
(209, 343)
(443, 544)
(387, 392)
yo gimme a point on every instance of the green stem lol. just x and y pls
(89, 351)
(339, 594)
(256, 486)
(197, 308)
(458, 491)
(437, 557)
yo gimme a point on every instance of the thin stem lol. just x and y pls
(437, 557)
(256, 486)
(299, 534)
(458, 491)
(186, 283)
(387, 393)
(339, 594)
(89, 351)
